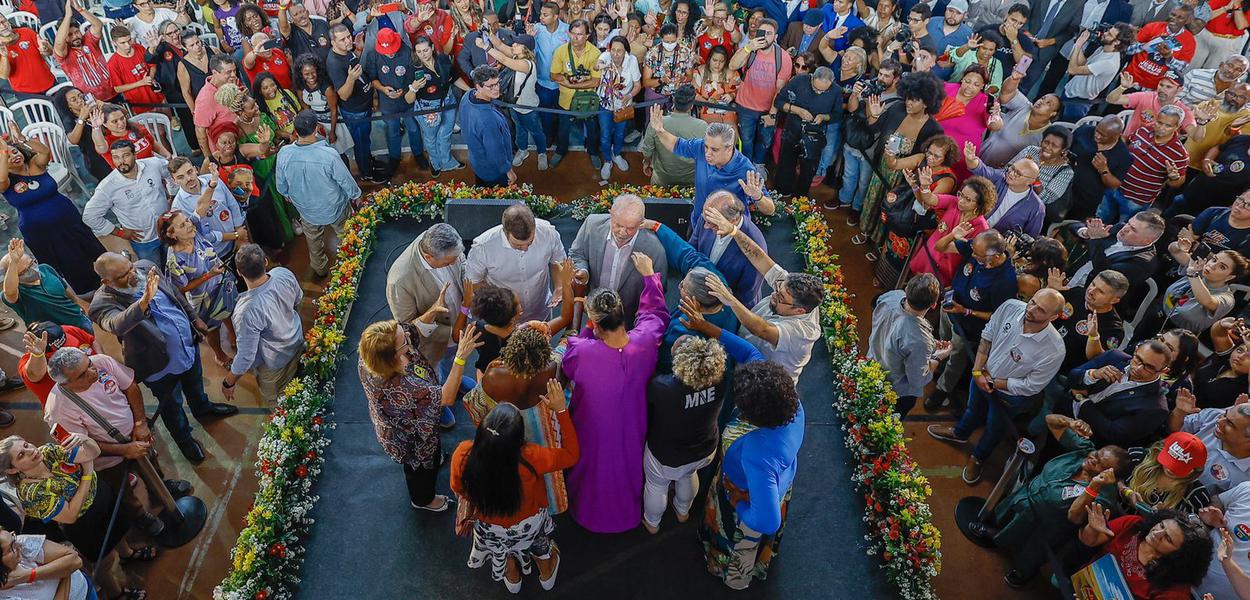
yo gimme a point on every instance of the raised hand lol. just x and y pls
(1081, 428)
(970, 153)
(554, 398)
(470, 341)
(1097, 519)
(974, 41)
(1095, 229)
(719, 223)
(656, 120)
(718, 289)
(692, 317)
(1126, 80)
(35, 345)
(1055, 278)
(1105, 478)
(926, 177)
(1186, 402)
(875, 107)
(152, 284)
(1212, 516)
(753, 185)
(962, 231)
(643, 263)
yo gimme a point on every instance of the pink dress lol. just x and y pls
(609, 410)
(964, 123)
(948, 209)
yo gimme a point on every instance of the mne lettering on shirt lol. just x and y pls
(700, 397)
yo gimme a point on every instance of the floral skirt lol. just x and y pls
(732, 550)
(531, 537)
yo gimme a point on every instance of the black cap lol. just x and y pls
(813, 18)
(683, 97)
(526, 40)
(56, 335)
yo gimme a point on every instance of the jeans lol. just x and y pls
(611, 136)
(529, 125)
(149, 251)
(567, 124)
(395, 138)
(436, 133)
(190, 384)
(756, 136)
(1115, 208)
(548, 98)
(1074, 109)
(833, 141)
(467, 384)
(988, 410)
(360, 132)
(856, 173)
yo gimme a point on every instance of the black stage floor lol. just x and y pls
(369, 543)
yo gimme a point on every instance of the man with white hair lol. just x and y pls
(431, 267)
(1205, 84)
(742, 277)
(812, 103)
(718, 165)
(601, 251)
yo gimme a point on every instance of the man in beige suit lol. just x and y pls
(413, 284)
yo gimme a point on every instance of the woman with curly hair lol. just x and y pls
(967, 111)
(518, 377)
(610, 367)
(974, 200)
(752, 490)
(903, 128)
(497, 311)
(280, 105)
(256, 140)
(500, 476)
(1161, 555)
(318, 94)
(682, 411)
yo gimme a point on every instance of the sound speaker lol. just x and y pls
(674, 212)
(473, 216)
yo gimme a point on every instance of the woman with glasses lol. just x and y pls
(56, 569)
(1161, 555)
(1055, 169)
(1225, 375)
(619, 81)
(150, 19)
(253, 141)
(720, 30)
(194, 267)
(166, 50)
(406, 401)
(974, 200)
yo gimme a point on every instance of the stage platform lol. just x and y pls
(368, 543)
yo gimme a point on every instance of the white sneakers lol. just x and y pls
(520, 157)
(620, 163)
(542, 161)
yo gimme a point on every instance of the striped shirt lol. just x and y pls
(1148, 172)
(1199, 86)
(85, 67)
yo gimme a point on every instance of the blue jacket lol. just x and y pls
(740, 275)
(853, 22)
(489, 139)
(1132, 417)
(315, 180)
(776, 10)
(683, 257)
(1027, 215)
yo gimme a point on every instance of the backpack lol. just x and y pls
(776, 62)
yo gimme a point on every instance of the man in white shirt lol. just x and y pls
(1225, 432)
(601, 251)
(519, 255)
(137, 191)
(1089, 76)
(784, 325)
(1020, 353)
(205, 197)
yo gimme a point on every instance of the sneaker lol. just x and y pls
(632, 137)
(945, 433)
(605, 171)
(972, 471)
(542, 162)
(435, 172)
(596, 162)
(519, 158)
(377, 178)
(555, 160)
(621, 163)
(937, 400)
(853, 220)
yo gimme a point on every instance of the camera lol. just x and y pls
(872, 87)
(518, 25)
(580, 73)
(1021, 243)
(1100, 29)
(903, 35)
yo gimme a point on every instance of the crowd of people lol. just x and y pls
(1054, 194)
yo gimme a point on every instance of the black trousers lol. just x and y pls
(420, 484)
(794, 173)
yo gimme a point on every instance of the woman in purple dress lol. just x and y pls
(193, 265)
(610, 367)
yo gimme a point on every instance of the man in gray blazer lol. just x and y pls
(601, 251)
(414, 282)
(160, 332)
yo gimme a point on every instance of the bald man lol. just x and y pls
(1019, 208)
(1020, 353)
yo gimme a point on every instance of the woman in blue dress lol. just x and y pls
(49, 222)
(193, 265)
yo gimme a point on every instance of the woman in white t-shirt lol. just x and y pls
(521, 61)
(1203, 296)
(52, 565)
(619, 82)
(149, 18)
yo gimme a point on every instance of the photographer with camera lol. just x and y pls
(1089, 75)
(810, 102)
(861, 140)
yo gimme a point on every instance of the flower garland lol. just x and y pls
(266, 558)
(900, 524)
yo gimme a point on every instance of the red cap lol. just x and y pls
(1182, 454)
(388, 41)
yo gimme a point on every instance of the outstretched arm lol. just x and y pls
(758, 257)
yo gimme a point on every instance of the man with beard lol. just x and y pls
(22, 61)
(949, 29)
(79, 54)
(1020, 353)
(1205, 84)
(1146, 105)
(602, 248)
(159, 332)
(1162, 47)
(37, 292)
(1089, 322)
(1217, 120)
(1089, 75)
(137, 191)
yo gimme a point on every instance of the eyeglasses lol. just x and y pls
(491, 85)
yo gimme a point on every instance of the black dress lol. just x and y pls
(53, 229)
(1213, 391)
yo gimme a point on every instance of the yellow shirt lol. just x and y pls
(560, 64)
(1217, 132)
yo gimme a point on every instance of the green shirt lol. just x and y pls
(47, 300)
(1054, 488)
(667, 168)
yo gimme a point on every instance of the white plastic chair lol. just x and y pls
(58, 87)
(23, 19)
(197, 27)
(34, 110)
(1152, 291)
(1125, 115)
(6, 117)
(48, 32)
(106, 41)
(211, 41)
(158, 125)
(61, 165)
(1066, 125)
(8, 7)
(1088, 120)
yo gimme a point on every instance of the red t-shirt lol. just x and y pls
(145, 146)
(1224, 25)
(1148, 172)
(1145, 71)
(85, 67)
(28, 71)
(124, 70)
(74, 338)
(277, 64)
(270, 7)
(439, 28)
(1124, 548)
(705, 45)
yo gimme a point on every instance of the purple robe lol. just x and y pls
(609, 411)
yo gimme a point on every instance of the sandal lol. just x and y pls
(131, 594)
(143, 554)
(859, 239)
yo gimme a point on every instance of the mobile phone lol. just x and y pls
(60, 434)
(390, 7)
(1022, 65)
(948, 298)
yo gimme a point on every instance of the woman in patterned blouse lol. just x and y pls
(406, 399)
(58, 483)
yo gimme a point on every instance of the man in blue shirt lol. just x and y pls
(485, 130)
(718, 165)
(549, 34)
(949, 29)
